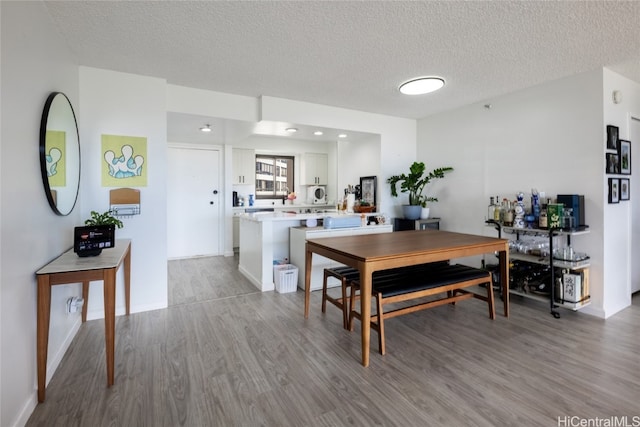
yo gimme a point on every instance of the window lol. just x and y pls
(274, 176)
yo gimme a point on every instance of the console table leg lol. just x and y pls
(44, 309)
(110, 320)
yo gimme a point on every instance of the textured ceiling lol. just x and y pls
(355, 54)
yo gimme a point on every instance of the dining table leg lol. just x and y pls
(365, 309)
(110, 320)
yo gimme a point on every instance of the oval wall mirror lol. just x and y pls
(60, 153)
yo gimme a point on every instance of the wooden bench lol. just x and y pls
(413, 283)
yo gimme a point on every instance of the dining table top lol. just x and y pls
(404, 244)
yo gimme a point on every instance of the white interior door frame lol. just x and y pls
(221, 196)
(634, 228)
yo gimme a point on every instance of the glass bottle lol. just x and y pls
(508, 213)
(491, 209)
(542, 220)
(497, 210)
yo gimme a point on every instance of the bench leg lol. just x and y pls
(345, 304)
(324, 292)
(380, 317)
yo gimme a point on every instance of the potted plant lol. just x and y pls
(104, 219)
(414, 184)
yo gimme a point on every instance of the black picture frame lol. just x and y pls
(624, 156)
(612, 137)
(612, 165)
(368, 189)
(614, 190)
(625, 189)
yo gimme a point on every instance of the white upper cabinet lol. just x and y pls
(314, 169)
(244, 166)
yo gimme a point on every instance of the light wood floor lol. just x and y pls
(252, 360)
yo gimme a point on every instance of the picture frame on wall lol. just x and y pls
(614, 190)
(624, 154)
(612, 137)
(625, 191)
(368, 186)
(613, 163)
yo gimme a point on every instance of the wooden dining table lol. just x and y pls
(373, 252)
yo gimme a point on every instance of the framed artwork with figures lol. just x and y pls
(614, 190)
(368, 189)
(624, 154)
(624, 189)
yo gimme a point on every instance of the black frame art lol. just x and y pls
(625, 190)
(624, 156)
(368, 189)
(612, 137)
(614, 190)
(612, 165)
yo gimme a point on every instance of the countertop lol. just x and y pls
(280, 216)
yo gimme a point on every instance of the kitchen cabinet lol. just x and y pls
(315, 170)
(244, 166)
(568, 271)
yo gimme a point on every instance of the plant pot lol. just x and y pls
(424, 214)
(411, 211)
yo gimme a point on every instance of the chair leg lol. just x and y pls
(380, 316)
(345, 303)
(490, 301)
(352, 312)
(324, 293)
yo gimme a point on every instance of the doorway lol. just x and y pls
(193, 201)
(634, 137)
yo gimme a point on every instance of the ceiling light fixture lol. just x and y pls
(421, 85)
(292, 130)
(318, 133)
(342, 135)
(206, 128)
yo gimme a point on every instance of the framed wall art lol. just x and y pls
(612, 137)
(368, 189)
(614, 190)
(625, 191)
(613, 163)
(624, 154)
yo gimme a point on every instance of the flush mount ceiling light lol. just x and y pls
(342, 135)
(206, 128)
(292, 130)
(318, 133)
(421, 85)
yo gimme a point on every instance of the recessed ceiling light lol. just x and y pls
(206, 128)
(292, 130)
(318, 133)
(421, 85)
(342, 135)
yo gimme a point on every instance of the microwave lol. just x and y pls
(317, 195)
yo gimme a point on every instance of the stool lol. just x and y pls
(345, 275)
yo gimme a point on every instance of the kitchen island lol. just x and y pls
(264, 237)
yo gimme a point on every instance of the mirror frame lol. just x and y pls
(43, 162)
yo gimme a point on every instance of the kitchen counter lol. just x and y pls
(264, 237)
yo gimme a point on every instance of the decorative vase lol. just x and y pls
(411, 211)
(424, 214)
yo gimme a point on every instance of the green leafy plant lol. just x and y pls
(415, 182)
(103, 219)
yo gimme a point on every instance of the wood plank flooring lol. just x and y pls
(253, 360)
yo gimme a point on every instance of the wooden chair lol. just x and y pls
(345, 275)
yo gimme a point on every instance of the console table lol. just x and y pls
(70, 268)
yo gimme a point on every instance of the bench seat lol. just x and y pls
(413, 283)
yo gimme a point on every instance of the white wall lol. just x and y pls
(34, 62)
(116, 103)
(617, 217)
(550, 137)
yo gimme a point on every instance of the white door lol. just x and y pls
(634, 137)
(193, 202)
